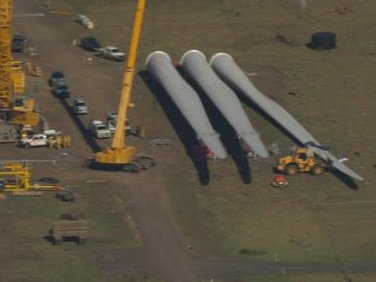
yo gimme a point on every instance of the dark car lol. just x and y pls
(19, 43)
(90, 43)
(57, 78)
(61, 91)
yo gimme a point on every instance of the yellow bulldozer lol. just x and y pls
(301, 160)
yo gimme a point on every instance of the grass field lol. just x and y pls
(25, 224)
(313, 220)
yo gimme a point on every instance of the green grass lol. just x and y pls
(25, 223)
(308, 278)
(298, 224)
(307, 222)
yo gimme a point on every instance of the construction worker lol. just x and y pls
(67, 141)
(50, 141)
(59, 141)
(279, 181)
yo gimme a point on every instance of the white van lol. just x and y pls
(99, 129)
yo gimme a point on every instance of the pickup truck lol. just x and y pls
(46, 139)
(99, 129)
(36, 140)
(111, 53)
(111, 123)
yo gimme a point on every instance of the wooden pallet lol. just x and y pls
(69, 229)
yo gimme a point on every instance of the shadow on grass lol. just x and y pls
(49, 239)
(182, 128)
(72, 239)
(188, 136)
(347, 180)
(81, 127)
(227, 134)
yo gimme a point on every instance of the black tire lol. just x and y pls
(317, 169)
(26, 146)
(291, 169)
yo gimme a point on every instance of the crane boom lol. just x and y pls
(119, 153)
(119, 139)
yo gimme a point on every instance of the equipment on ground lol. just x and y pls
(120, 156)
(72, 226)
(15, 177)
(8, 133)
(279, 181)
(301, 160)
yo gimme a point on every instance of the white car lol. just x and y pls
(80, 107)
(111, 121)
(99, 129)
(111, 53)
(36, 140)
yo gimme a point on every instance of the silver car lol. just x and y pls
(80, 107)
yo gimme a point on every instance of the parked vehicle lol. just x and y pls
(36, 140)
(79, 106)
(90, 43)
(61, 91)
(85, 21)
(57, 78)
(19, 43)
(99, 129)
(111, 121)
(111, 53)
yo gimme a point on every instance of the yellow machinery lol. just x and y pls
(15, 178)
(5, 53)
(17, 76)
(302, 160)
(33, 69)
(120, 156)
(14, 108)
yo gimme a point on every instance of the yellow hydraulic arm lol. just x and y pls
(119, 153)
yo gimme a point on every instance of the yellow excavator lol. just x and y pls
(120, 156)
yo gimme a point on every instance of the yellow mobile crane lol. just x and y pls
(120, 156)
(14, 108)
